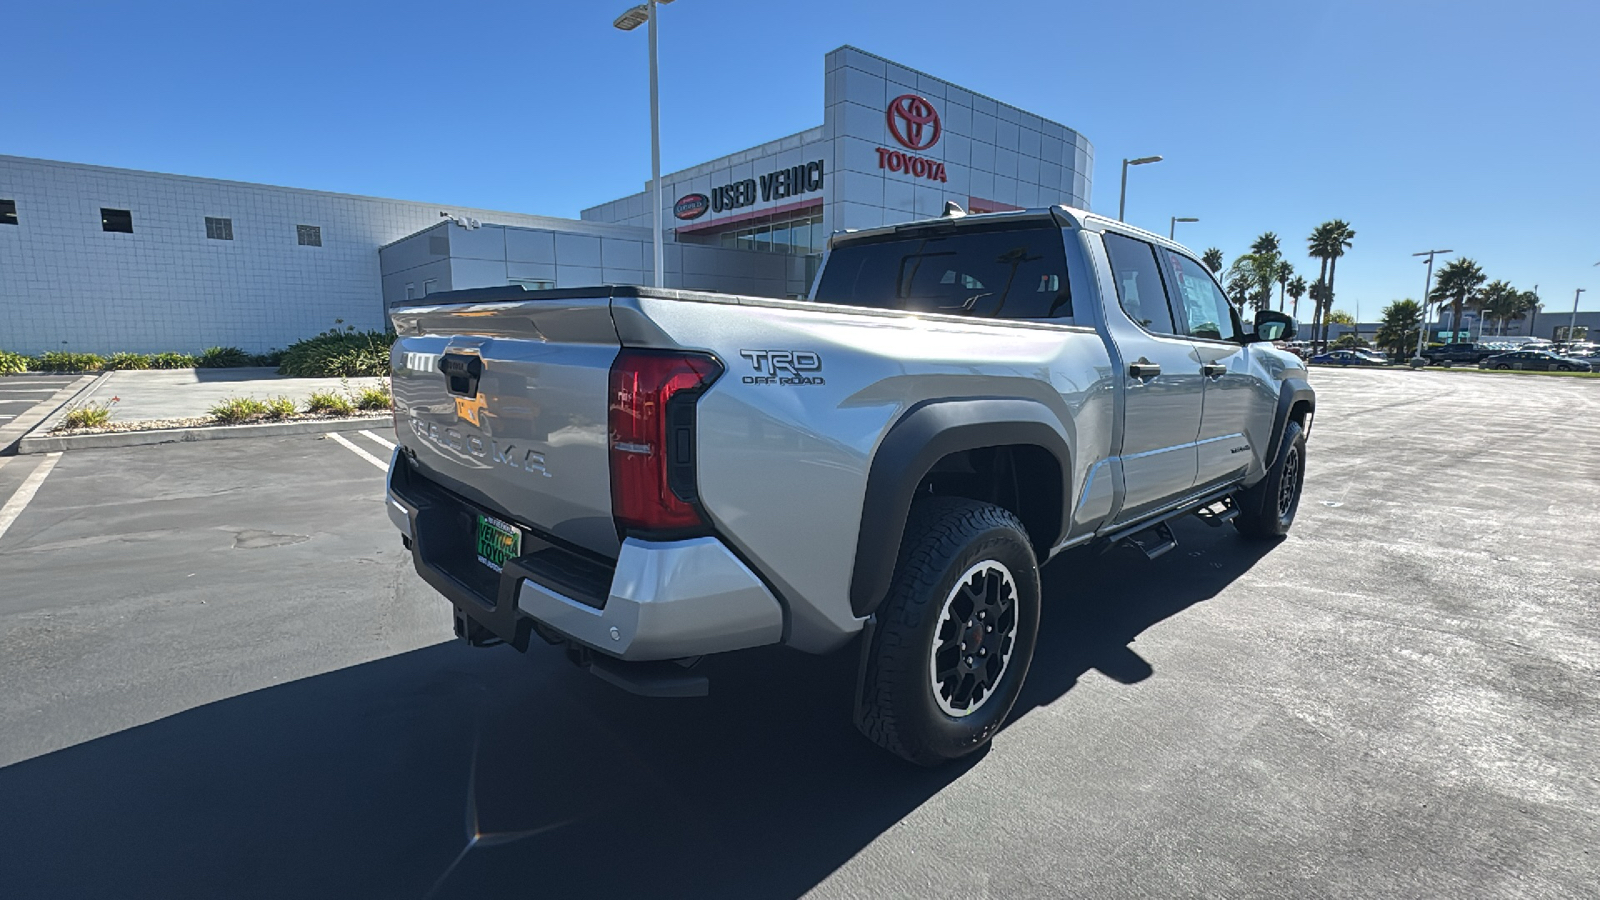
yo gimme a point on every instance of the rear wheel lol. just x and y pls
(955, 636)
(1267, 509)
(1502, 366)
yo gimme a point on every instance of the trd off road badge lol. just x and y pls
(783, 367)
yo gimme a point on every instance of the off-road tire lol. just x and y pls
(1267, 509)
(898, 705)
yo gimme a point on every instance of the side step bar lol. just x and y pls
(1154, 537)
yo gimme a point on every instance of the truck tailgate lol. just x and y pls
(505, 404)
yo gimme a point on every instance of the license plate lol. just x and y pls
(497, 542)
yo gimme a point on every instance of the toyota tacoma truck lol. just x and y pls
(645, 477)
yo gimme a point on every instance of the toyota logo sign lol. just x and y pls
(914, 122)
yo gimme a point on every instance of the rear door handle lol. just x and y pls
(1213, 370)
(1142, 370)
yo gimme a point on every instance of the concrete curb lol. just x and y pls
(46, 444)
(19, 428)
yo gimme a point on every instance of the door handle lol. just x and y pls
(1213, 370)
(1144, 369)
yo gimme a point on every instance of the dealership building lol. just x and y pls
(102, 259)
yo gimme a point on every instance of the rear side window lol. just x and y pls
(1139, 287)
(1012, 274)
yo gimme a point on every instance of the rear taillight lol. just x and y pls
(652, 439)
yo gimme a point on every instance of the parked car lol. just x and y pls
(644, 476)
(1454, 354)
(1345, 358)
(1537, 360)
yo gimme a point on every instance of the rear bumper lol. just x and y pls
(660, 600)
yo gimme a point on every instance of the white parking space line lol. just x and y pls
(30, 486)
(28, 390)
(334, 435)
(387, 444)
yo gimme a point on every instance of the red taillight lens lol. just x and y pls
(653, 437)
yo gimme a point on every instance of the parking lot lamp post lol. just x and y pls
(1572, 327)
(1172, 227)
(628, 21)
(1122, 200)
(1422, 332)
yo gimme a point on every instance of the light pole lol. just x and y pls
(1572, 327)
(1427, 286)
(628, 21)
(1172, 227)
(1122, 201)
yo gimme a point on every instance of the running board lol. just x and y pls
(1218, 513)
(1153, 541)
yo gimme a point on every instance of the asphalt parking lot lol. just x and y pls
(19, 392)
(221, 677)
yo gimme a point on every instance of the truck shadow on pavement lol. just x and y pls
(452, 772)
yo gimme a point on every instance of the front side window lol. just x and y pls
(1206, 310)
(1139, 287)
(1017, 273)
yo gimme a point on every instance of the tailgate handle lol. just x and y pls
(461, 373)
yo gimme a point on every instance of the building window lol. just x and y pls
(219, 229)
(800, 234)
(119, 220)
(534, 284)
(411, 291)
(8, 212)
(310, 235)
(427, 286)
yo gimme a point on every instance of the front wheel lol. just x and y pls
(955, 636)
(1502, 366)
(1267, 508)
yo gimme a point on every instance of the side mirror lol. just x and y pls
(1275, 326)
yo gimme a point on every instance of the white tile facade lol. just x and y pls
(996, 154)
(66, 284)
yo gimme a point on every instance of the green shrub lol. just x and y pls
(335, 353)
(118, 361)
(330, 403)
(13, 363)
(63, 362)
(280, 408)
(236, 410)
(223, 358)
(374, 397)
(272, 358)
(170, 360)
(89, 415)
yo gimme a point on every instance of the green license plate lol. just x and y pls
(497, 542)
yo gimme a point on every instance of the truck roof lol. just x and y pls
(1062, 215)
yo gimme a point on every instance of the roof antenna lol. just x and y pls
(952, 210)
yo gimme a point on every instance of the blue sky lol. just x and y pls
(1465, 125)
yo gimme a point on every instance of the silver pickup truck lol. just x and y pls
(648, 476)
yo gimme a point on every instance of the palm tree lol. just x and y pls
(1458, 282)
(1254, 274)
(1296, 289)
(1321, 299)
(1213, 259)
(1285, 272)
(1502, 301)
(1266, 244)
(1398, 333)
(1328, 242)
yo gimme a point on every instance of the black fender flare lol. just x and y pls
(1293, 392)
(925, 434)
